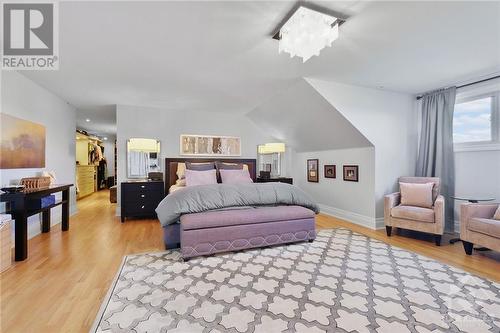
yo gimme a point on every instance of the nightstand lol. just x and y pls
(140, 198)
(275, 180)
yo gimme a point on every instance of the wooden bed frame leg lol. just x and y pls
(388, 230)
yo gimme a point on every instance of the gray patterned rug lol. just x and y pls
(342, 282)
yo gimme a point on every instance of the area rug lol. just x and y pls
(341, 282)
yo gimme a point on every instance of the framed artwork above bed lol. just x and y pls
(209, 145)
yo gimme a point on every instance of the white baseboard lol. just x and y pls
(118, 211)
(362, 220)
(379, 223)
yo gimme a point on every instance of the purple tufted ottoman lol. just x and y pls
(221, 231)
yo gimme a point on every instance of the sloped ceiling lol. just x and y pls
(218, 55)
(306, 121)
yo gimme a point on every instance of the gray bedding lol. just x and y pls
(197, 199)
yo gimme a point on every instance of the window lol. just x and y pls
(476, 120)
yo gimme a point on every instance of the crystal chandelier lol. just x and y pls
(307, 32)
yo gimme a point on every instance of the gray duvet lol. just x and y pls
(197, 199)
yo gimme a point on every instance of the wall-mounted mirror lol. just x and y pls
(143, 156)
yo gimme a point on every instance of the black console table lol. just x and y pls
(20, 211)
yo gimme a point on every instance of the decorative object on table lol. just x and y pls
(330, 171)
(142, 157)
(351, 173)
(22, 143)
(269, 156)
(210, 145)
(479, 226)
(312, 170)
(12, 188)
(264, 174)
(5, 241)
(158, 176)
(35, 182)
(52, 175)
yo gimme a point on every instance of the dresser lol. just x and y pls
(140, 198)
(85, 180)
(275, 180)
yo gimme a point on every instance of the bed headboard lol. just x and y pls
(171, 167)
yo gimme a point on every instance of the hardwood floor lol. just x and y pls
(60, 287)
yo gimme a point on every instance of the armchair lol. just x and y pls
(430, 220)
(477, 226)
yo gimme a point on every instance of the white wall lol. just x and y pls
(388, 120)
(353, 201)
(109, 154)
(168, 125)
(477, 174)
(25, 99)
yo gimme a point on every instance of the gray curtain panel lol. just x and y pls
(435, 156)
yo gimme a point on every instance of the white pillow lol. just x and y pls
(195, 178)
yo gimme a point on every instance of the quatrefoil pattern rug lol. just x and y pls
(342, 282)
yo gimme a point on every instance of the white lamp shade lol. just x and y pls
(270, 148)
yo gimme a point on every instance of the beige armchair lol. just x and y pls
(477, 226)
(430, 220)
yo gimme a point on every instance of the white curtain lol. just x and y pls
(138, 164)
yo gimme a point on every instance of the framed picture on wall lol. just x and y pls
(312, 170)
(209, 145)
(330, 171)
(351, 173)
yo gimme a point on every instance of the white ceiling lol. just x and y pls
(101, 120)
(311, 122)
(218, 56)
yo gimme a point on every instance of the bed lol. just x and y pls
(215, 218)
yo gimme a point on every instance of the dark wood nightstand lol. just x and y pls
(140, 198)
(275, 180)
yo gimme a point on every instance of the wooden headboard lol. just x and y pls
(171, 167)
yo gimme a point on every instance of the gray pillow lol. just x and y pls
(200, 166)
(229, 166)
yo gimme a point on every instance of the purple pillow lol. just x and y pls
(194, 177)
(235, 176)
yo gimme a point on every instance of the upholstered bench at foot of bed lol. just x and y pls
(222, 231)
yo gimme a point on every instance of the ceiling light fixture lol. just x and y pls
(105, 138)
(306, 32)
(87, 120)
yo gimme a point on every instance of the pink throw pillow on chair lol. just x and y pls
(194, 177)
(419, 195)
